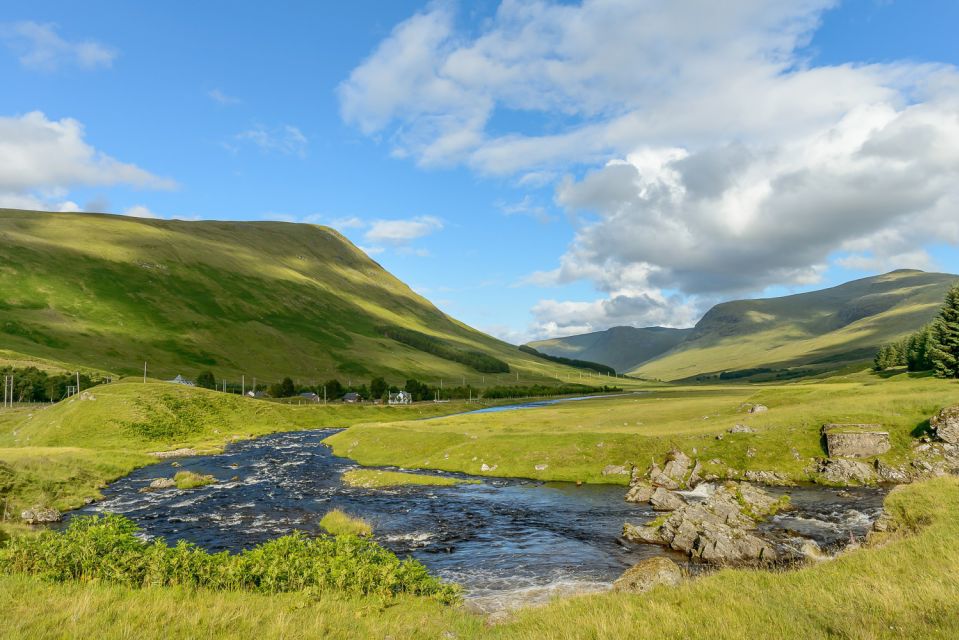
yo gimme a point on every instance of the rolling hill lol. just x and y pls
(623, 348)
(804, 333)
(265, 299)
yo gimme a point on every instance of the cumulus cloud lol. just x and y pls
(727, 162)
(38, 46)
(285, 139)
(140, 211)
(42, 159)
(219, 96)
(399, 232)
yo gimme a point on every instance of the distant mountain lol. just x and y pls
(804, 333)
(265, 299)
(623, 348)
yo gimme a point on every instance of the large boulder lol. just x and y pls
(855, 440)
(640, 491)
(665, 500)
(844, 472)
(159, 484)
(647, 574)
(945, 424)
(40, 515)
(614, 470)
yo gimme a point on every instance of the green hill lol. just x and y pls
(623, 348)
(804, 333)
(264, 299)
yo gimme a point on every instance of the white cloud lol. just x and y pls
(350, 222)
(285, 139)
(42, 159)
(527, 207)
(398, 232)
(728, 162)
(217, 95)
(140, 211)
(39, 47)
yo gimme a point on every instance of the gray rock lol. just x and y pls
(665, 500)
(614, 470)
(887, 473)
(741, 428)
(176, 453)
(486, 467)
(751, 452)
(946, 424)
(647, 574)
(40, 515)
(842, 471)
(677, 466)
(541, 467)
(648, 535)
(772, 478)
(758, 408)
(660, 479)
(161, 483)
(641, 491)
(855, 440)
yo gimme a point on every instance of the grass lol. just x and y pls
(378, 479)
(186, 480)
(577, 440)
(265, 299)
(62, 455)
(338, 523)
(903, 585)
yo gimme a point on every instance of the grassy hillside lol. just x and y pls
(264, 299)
(903, 585)
(623, 348)
(811, 332)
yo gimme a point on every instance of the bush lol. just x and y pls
(107, 549)
(206, 380)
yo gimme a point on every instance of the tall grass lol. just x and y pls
(108, 549)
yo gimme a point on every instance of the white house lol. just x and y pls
(181, 380)
(400, 398)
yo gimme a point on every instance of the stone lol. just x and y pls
(758, 408)
(741, 428)
(614, 470)
(541, 467)
(486, 467)
(772, 478)
(945, 424)
(660, 479)
(40, 515)
(640, 492)
(176, 453)
(677, 465)
(842, 471)
(887, 473)
(855, 440)
(648, 535)
(647, 574)
(161, 483)
(665, 500)
(751, 452)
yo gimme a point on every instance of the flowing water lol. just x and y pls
(507, 541)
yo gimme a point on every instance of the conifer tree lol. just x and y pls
(944, 353)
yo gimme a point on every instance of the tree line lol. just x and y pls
(482, 362)
(31, 384)
(570, 362)
(935, 347)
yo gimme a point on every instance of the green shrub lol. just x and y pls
(107, 549)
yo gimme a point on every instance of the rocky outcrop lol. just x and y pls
(741, 428)
(40, 515)
(855, 440)
(176, 453)
(640, 491)
(159, 484)
(679, 472)
(665, 500)
(614, 470)
(717, 530)
(844, 472)
(758, 408)
(771, 478)
(945, 424)
(647, 574)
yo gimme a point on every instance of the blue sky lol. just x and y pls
(535, 169)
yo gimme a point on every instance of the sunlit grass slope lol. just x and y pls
(61, 455)
(817, 331)
(905, 586)
(577, 440)
(265, 299)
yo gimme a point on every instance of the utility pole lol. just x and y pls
(78, 382)
(324, 394)
(243, 386)
(254, 386)
(144, 372)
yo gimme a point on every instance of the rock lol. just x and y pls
(842, 471)
(855, 440)
(811, 551)
(677, 465)
(741, 428)
(751, 452)
(665, 500)
(795, 453)
(946, 424)
(86, 395)
(486, 467)
(660, 479)
(161, 483)
(40, 515)
(647, 574)
(648, 535)
(541, 467)
(772, 478)
(176, 453)
(758, 408)
(719, 436)
(891, 474)
(614, 470)
(642, 491)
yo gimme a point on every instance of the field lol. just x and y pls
(378, 479)
(577, 440)
(903, 586)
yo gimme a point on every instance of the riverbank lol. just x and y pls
(599, 440)
(901, 584)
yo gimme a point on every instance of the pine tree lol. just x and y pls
(944, 353)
